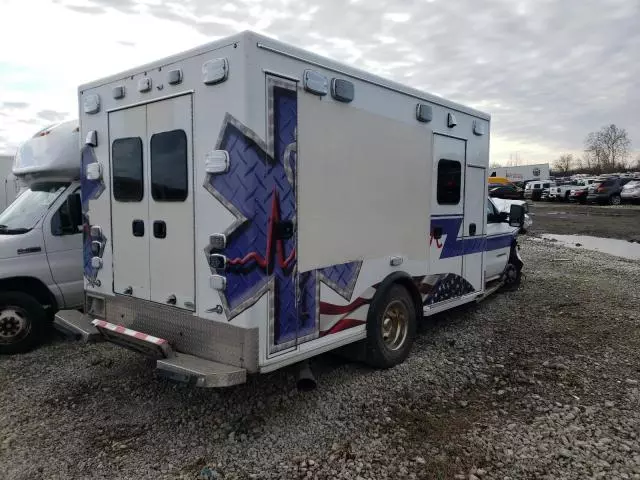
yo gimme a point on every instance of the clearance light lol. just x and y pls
(96, 262)
(217, 162)
(217, 261)
(217, 282)
(94, 171)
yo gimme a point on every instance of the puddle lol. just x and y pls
(619, 248)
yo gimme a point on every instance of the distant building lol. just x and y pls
(522, 173)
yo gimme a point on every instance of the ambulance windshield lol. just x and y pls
(23, 214)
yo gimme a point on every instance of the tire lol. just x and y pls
(513, 270)
(615, 200)
(389, 342)
(23, 322)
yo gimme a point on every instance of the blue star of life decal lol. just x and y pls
(259, 189)
(89, 190)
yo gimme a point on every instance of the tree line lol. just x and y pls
(605, 151)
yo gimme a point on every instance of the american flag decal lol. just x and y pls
(448, 286)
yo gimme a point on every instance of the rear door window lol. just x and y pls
(169, 169)
(126, 160)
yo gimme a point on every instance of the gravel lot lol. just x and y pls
(620, 221)
(537, 383)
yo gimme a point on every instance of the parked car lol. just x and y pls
(608, 191)
(631, 191)
(534, 190)
(579, 192)
(506, 191)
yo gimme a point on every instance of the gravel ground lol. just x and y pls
(537, 383)
(620, 221)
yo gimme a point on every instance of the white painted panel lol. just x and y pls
(130, 253)
(172, 257)
(475, 196)
(363, 185)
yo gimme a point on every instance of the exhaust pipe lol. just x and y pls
(305, 381)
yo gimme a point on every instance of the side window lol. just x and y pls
(68, 219)
(449, 178)
(169, 169)
(491, 212)
(126, 159)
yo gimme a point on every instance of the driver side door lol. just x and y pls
(499, 235)
(63, 245)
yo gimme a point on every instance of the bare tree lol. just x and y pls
(564, 164)
(495, 165)
(607, 149)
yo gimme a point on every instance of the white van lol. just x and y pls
(41, 238)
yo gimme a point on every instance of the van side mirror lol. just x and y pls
(516, 216)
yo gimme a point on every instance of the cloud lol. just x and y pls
(548, 72)
(52, 115)
(13, 105)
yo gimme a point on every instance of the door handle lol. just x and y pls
(159, 229)
(137, 227)
(472, 229)
(437, 233)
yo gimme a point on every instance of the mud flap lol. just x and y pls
(133, 340)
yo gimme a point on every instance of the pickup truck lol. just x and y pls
(560, 192)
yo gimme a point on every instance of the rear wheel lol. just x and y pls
(615, 200)
(391, 328)
(22, 322)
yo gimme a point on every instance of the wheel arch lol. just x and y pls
(30, 286)
(397, 278)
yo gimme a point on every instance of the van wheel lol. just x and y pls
(615, 200)
(22, 322)
(513, 271)
(391, 328)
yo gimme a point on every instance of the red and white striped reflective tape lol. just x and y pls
(131, 333)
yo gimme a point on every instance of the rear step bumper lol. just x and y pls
(200, 372)
(134, 340)
(74, 323)
(170, 364)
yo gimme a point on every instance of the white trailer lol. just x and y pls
(252, 205)
(522, 173)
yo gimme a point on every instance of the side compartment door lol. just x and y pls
(294, 293)
(447, 207)
(129, 204)
(475, 196)
(445, 279)
(170, 181)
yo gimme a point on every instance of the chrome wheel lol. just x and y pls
(395, 325)
(14, 324)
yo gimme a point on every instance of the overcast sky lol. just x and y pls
(548, 72)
